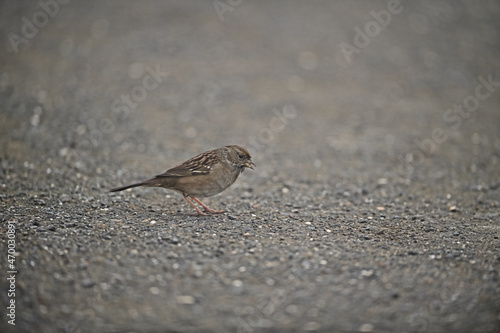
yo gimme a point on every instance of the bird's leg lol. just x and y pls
(194, 206)
(207, 209)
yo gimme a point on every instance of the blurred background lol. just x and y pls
(313, 90)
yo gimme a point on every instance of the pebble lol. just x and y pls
(185, 299)
(367, 272)
(65, 198)
(87, 283)
(367, 327)
(237, 283)
(312, 326)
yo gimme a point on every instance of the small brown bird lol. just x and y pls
(204, 175)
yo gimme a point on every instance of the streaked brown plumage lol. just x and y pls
(204, 175)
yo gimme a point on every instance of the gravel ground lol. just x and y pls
(374, 207)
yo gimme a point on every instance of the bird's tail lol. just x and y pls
(123, 188)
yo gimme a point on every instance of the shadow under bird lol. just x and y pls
(204, 175)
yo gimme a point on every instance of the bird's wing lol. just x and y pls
(198, 165)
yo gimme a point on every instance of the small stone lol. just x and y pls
(231, 217)
(312, 326)
(367, 272)
(87, 283)
(237, 283)
(63, 152)
(366, 327)
(65, 198)
(185, 299)
(453, 208)
(104, 286)
(382, 181)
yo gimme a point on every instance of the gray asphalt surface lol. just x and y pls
(374, 207)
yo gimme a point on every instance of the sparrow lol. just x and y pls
(204, 175)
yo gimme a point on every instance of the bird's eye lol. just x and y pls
(241, 156)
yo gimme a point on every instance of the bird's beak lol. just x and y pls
(250, 164)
